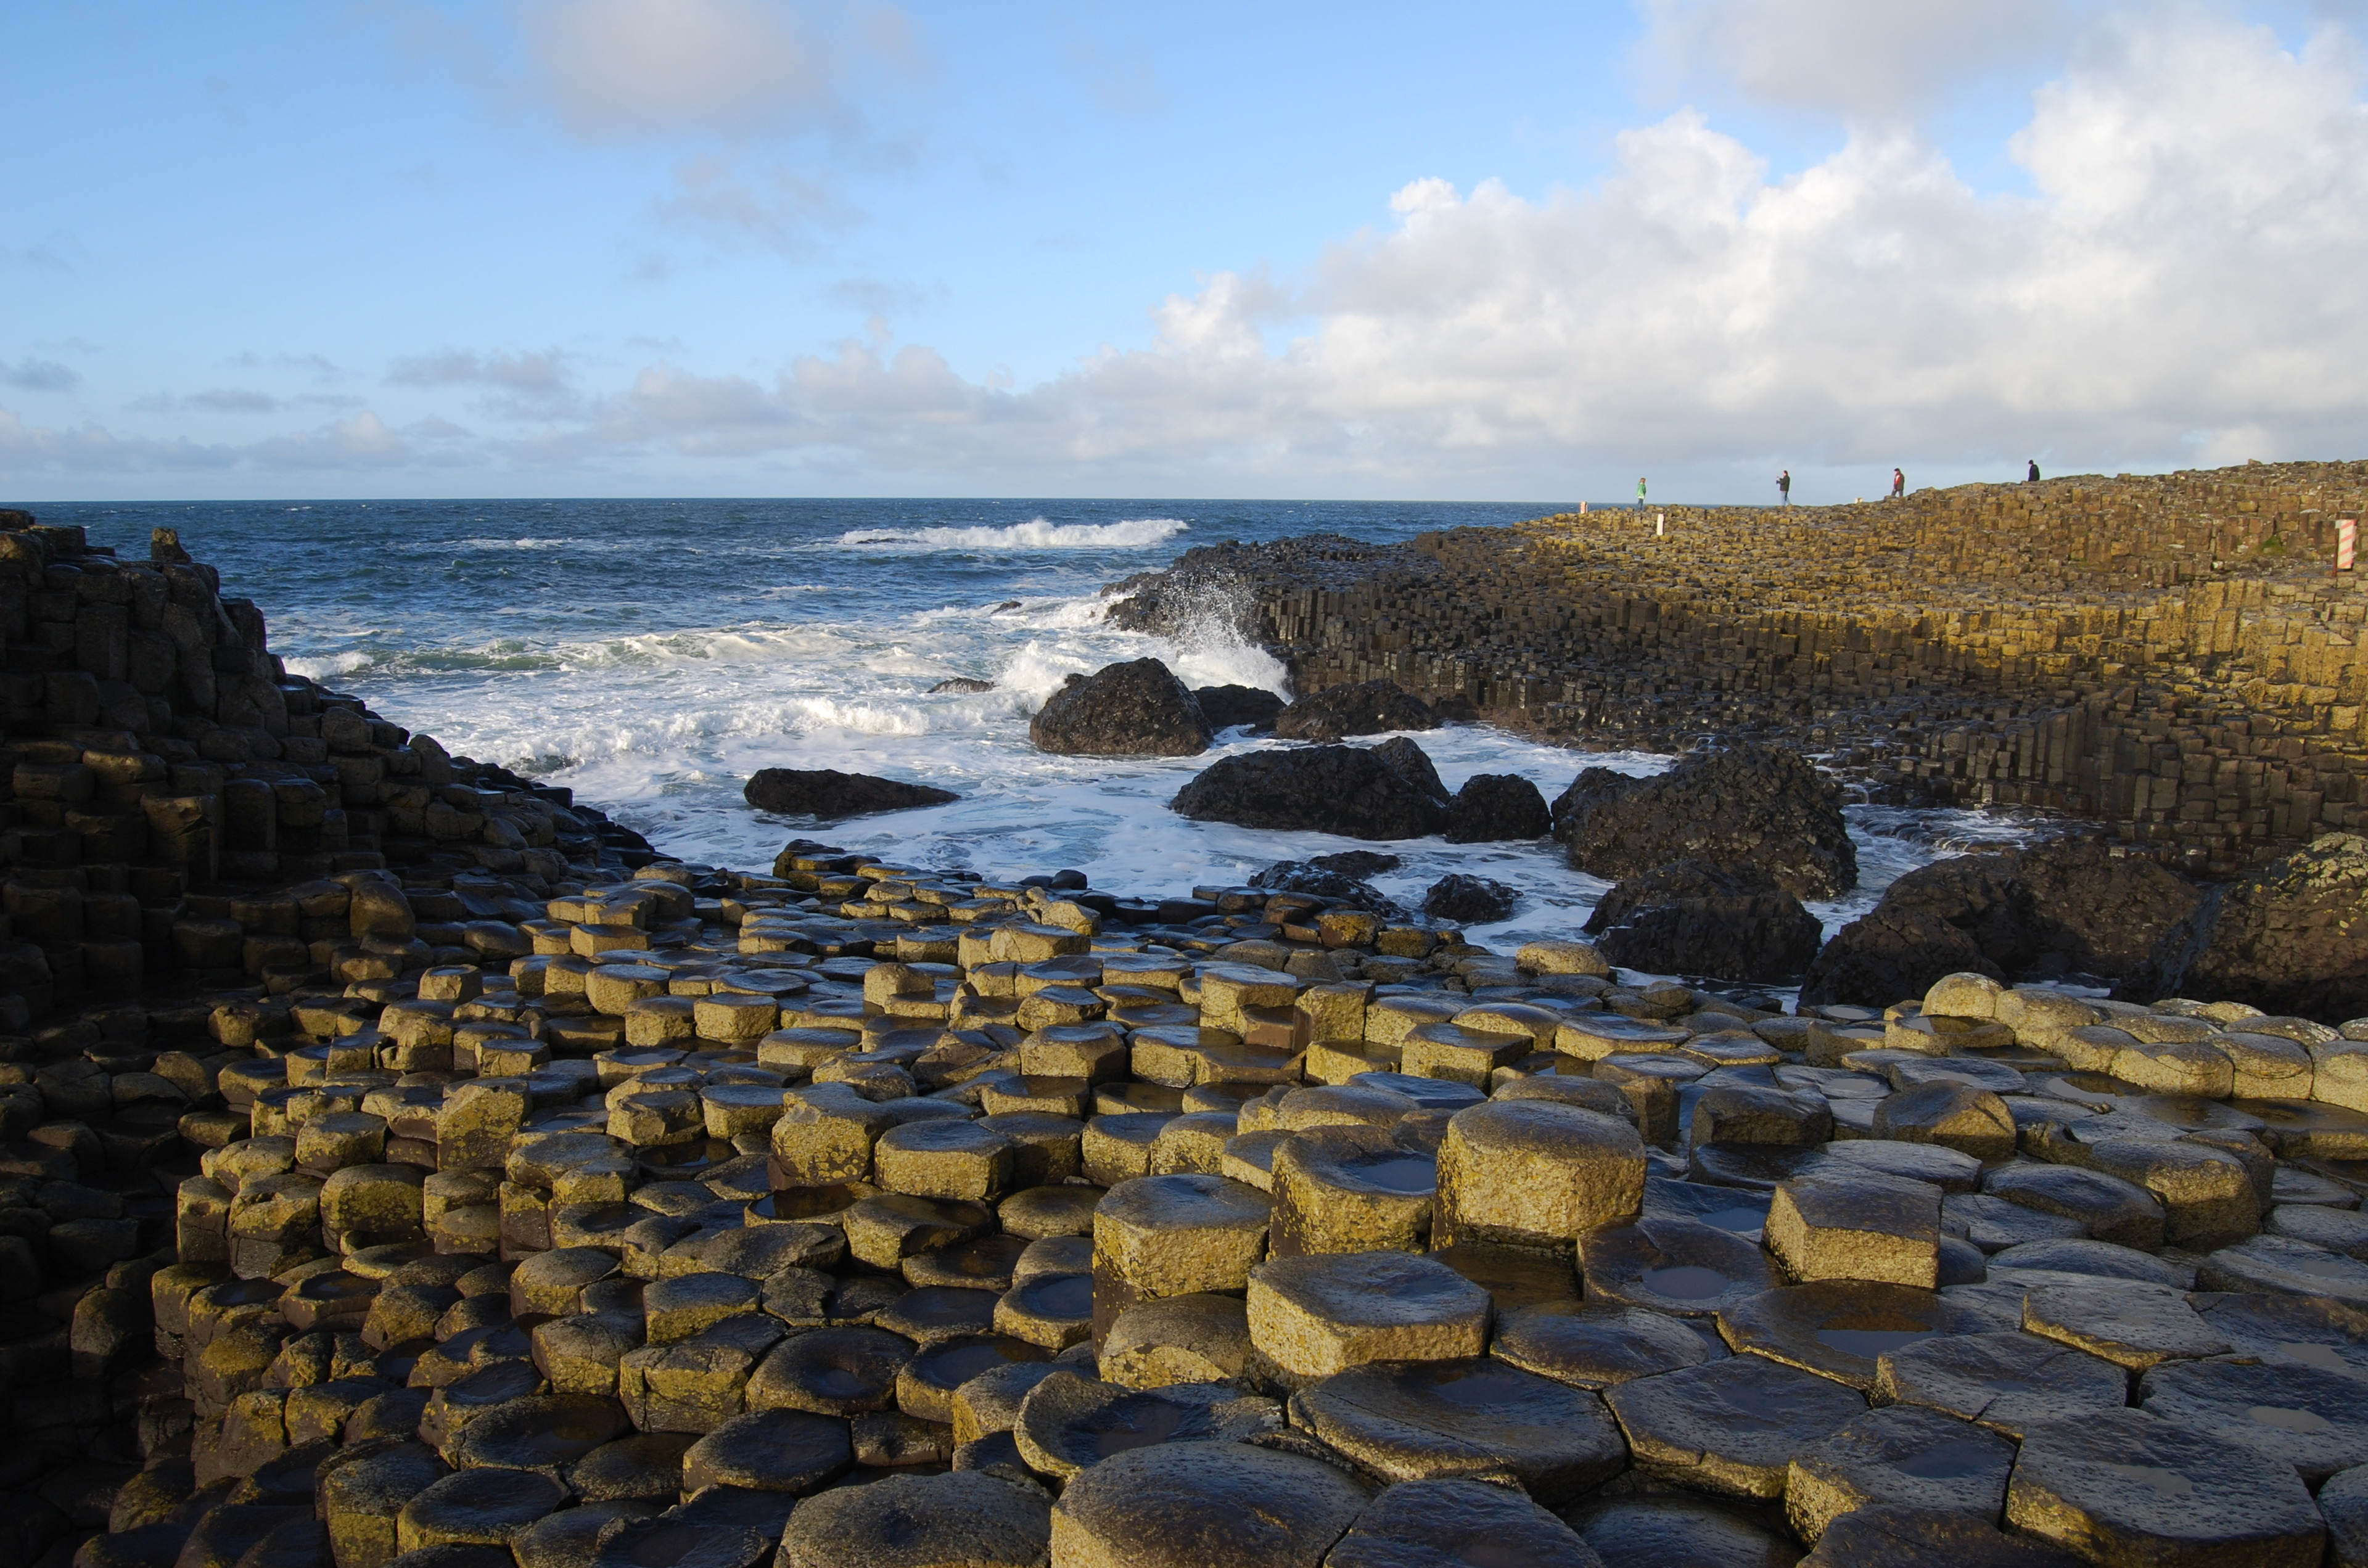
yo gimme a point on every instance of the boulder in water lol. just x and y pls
(828, 794)
(1315, 879)
(960, 686)
(1226, 706)
(1368, 708)
(1494, 807)
(1746, 805)
(1357, 862)
(1350, 790)
(1136, 708)
(2288, 938)
(1470, 901)
(1727, 922)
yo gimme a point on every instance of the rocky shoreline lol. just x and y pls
(406, 1165)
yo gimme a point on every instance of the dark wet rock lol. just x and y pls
(1319, 881)
(1679, 1531)
(2105, 1260)
(1915, 1538)
(1348, 791)
(1837, 1328)
(1357, 862)
(2008, 1382)
(1679, 1266)
(2067, 907)
(1478, 1419)
(1594, 1347)
(1069, 1422)
(2282, 938)
(1748, 805)
(2127, 1321)
(2309, 1417)
(1204, 1506)
(831, 1371)
(2123, 1486)
(1136, 708)
(2311, 1331)
(967, 1517)
(1227, 706)
(641, 1465)
(1891, 953)
(769, 1450)
(2110, 1208)
(2285, 1266)
(1730, 921)
(1494, 807)
(140, 1546)
(2343, 1503)
(1951, 1115)
(1368, 708)
(1730, 1426)
(1901, 1456)
(828, 794)
(1458, 1524)
(1469, 900)
(962, 686)
(679, 1543)
(477, 1507)
(1414, 765)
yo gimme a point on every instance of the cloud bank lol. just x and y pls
(2179, 283)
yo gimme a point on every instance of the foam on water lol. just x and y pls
(652, 656)
(1131, 533)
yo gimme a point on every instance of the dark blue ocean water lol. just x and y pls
(653, 653)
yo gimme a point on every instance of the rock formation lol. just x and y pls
(1725, 922)
(828, 795)
(1350, 790)
(1369, 708)
(1740, 806)
(1137, 709)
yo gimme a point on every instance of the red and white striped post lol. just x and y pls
(2347, 543)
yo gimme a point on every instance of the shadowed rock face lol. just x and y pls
(1226, 706)
(1137, 709)
(1368, 708)
(1745, 806)
(827, 794)
(1348, 791)
(2287, 938)
(1732, 922)
(2070, 907)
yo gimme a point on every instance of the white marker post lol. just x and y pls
(1660, 524)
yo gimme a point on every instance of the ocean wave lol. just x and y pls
(1133, 533)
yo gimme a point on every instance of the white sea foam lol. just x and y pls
(1133, 533)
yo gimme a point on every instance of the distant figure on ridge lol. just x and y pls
(2033, 477)
(1785, 486)
(1898, 485)
(1640, 495)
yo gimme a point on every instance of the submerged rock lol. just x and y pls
(1470, 901)
(1495, 807)
(1137, 709)
(961, 685)
(1749, 805)
(827, 794)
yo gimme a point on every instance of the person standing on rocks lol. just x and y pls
(1898, 485)
(2033, 477)
(1785, 486)
(1640, 495)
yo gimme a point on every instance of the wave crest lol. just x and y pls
(1133, 533)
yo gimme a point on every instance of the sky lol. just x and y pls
(1492, 251)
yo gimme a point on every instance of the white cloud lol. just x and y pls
(638, 67)
(2182, 283)
(779, 209)
(1857, 57)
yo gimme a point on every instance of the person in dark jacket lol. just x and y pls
(1785, 486)
(2033, 477)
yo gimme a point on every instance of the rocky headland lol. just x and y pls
(400, 1163)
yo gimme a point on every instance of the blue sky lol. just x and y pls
(1492, 251)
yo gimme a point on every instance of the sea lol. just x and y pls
(652, 655)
